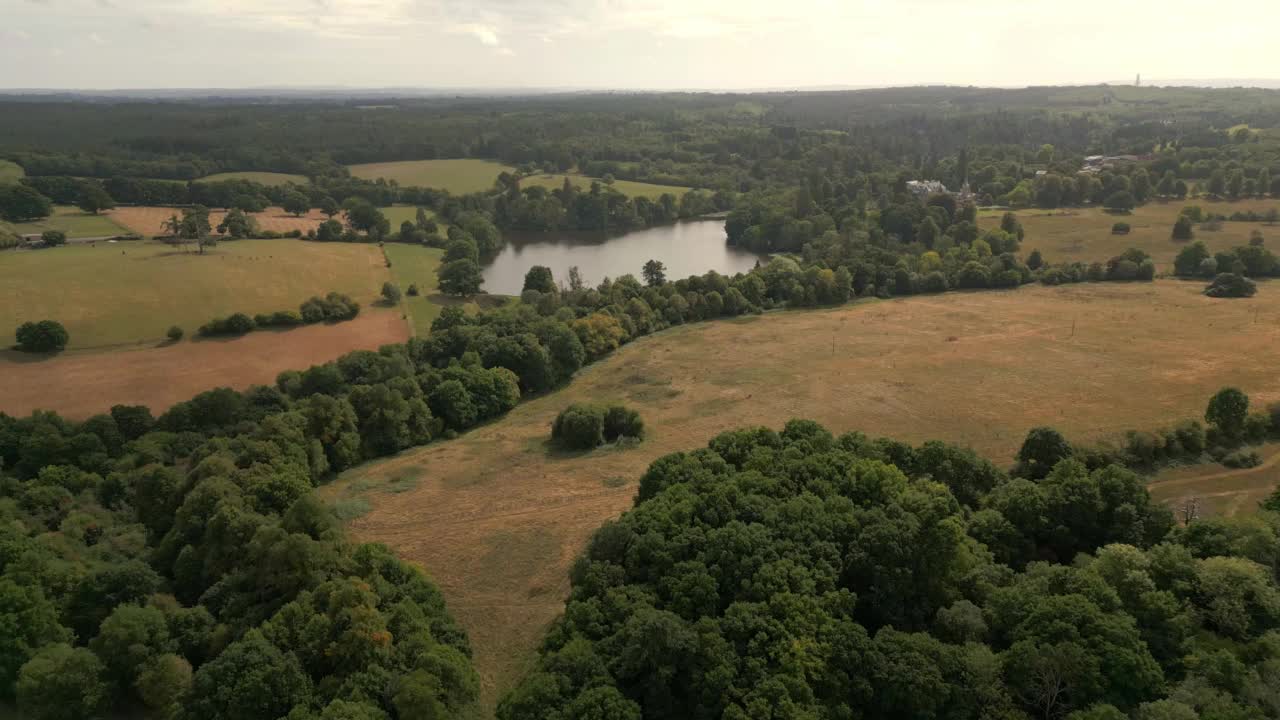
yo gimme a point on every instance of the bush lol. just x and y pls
(53, 238)
(42, 337)
(1183, 229)
(1230, 285)
(333, 307)
(237, 324)
(582, 427)
(175, 333)
(390, 293)
(1242, 459)
(1120, 228)
(413, 291)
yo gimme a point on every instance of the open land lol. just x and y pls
(626, 187)
(1220, 490)
(111, 294)
(75, 223)
(264, 178)
(10, 171)
(471, 175)
(147, 220)
(78, 385)
(497, 517)
(1084, 234)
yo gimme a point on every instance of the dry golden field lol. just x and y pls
(1084, 234)
(497, 518)
(146, 220)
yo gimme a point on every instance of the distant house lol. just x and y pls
(925, 188)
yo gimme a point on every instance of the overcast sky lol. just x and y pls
(640, 44)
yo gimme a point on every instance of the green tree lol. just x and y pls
(1120, 201)
(1183, 229)
(19, 203)
(1227, 411)
(390, 293)
(579, 427)
(328, 206)
(539, 278)
(655, 273)
(94, 198)
(1189, 259)
(1042, 449)
(163, 682)
(61, 683)
(42, 337)
(28, 621)
(463, 248)
(296, 203)
(250, 679)
(53, 238)
(460, 277)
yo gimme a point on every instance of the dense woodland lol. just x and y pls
(183, 566)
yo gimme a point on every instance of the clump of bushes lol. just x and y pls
(1230, 285)
(1120, 228)
(334, 307)
(42, 337)
(413, 290)
(584, 426)
(175, 333)
(1242, 458)
(53, 238)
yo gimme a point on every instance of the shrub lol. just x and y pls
(237, 324)
(53, 238)
(42, 337)
(1230, 285)
(390, 293)
(413, 291)
(1242, 459)
(621, 421)
(1183, 229)
(579, 427)
(1120, 228)
(175, 333)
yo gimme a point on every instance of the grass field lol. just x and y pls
(114, 294)
(75, 223)
(497, 519)
(265, 178)
(78, 385)
(1084, 234)
(1221, 490)
(456, 176)
(146, 220)
(10, 171)
(626, 187)
(399, 213)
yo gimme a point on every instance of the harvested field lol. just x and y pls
(78, 385)
(497, 518)
(146, 220)
(1220, 490)
(110, 294)
(1084, 234)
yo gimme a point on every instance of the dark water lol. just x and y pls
(686, 248)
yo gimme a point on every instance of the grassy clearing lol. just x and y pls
(10, 171)
(1221, 490)
(75, 223)
(498, 519)
(265, 178)
(456, 176)
(414, 264)
(1085, 234)
(626, 187)
(111, 294)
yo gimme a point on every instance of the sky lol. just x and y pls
(623, 44)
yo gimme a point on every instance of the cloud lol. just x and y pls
(96, 39)
(487, 35)
(506, 51)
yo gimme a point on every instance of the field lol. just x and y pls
(1221, 490)
(397, 214)
(456, 176)
(467, 176)
(497, 518)
(125, 293)
(1084, 234)
(75, 223)
(265, 178)
(10, 171)
(626, 187)
(78, 385)
(146, 220)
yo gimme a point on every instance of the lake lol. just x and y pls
(687, 248)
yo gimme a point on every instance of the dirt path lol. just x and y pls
(78, 385)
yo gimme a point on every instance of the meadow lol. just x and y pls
(456, 176)
(147, 220)
(1084, 234)
(499, 517)
(1220, 490)
(75, 223)
(265, 178)
(110, 294)
(470, 175)
(10, 171)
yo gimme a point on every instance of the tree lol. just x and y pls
(251, 678)
(460, 277)
(1227, 411)
(238, 224)
(28, 621)
(1183, 229)
(1230, 285)
(1035, 260)
(53, 238)
(296, 203)
(44, 336)
(655, 273)
(1042, 449)
(162, 683)
(20, 203)
(362, 216)
(61, 683)
(579, 427)
(94, 198)
(451, 402)
(1120, 201)
(461, 249)
(1217, 186)
(174, 334)
(329, 231)
(539, 278)
(328, 206)
(1189, 259)
(390, 293)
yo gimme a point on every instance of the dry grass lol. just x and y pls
(1085, 234)
(78, 385)
(147, 220)
(498, 520)
(110, 294)
(458, 176)
(1220, 490)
